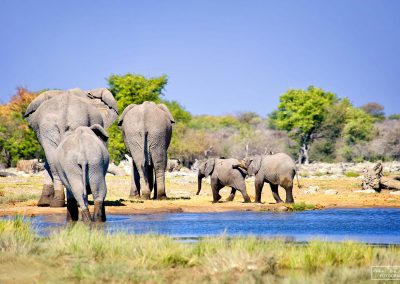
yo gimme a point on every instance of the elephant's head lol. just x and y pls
(101, 98)
(105, 103)
(205, 169)
(252, 164)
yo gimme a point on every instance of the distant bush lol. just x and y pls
(351, 174)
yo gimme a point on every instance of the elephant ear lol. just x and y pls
(105, 102)
(209, 167)
(100, 132)
(254, 165)
(35, 104)
(164, 108)
(126, 110)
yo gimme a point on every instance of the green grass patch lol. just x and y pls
(86, 254)
(301, 206)
(351, 174)
(13, 198)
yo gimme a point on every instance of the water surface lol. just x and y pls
(373, 225)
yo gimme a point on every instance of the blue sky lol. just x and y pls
(221, 56)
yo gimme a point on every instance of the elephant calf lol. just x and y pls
(223, 173)
(278, 170)
(82, 162)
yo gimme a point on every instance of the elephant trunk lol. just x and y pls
(199, 179)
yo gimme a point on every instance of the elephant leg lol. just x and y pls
(275, 193)
(232, 195)
(289, 193)
(80, 195)
(99, 195)
(215, 187)
(150, 175)
(135, 183)
(59, 195)
(243, 191)
(49, 144)
(259, 184)
(144, 184)
(160, 184)
(72, 210)
(48, 188)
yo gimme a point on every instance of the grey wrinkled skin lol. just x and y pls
(147, 130)
(277, 170)
(82, 162)
(55, 112)
(223, 173)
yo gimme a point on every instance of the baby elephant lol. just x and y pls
(277, 170)
(223, 172)
(82, 162)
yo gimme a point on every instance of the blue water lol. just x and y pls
(377, 225)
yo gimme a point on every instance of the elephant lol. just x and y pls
(223, 173)
(81, 163)
(278, 170)
(173, 165)
(147, 130)
(55, 112)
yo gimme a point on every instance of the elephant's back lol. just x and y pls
(280, 165)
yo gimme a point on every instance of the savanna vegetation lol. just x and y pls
(311, 124)
(86, 255)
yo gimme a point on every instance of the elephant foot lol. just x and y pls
(257, 201)
(134, 197)
(72, 210)
(99, 212)
(247, 201)
(58, 199)
(47, 195)
(161, 197)
(230, 198)
(279, 201)
(289, 201)
(218, 198)
(145, 196)
(86, 216)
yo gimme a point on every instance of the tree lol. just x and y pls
(301, 112)
(135, 89)
(17, 139)
(375, 110)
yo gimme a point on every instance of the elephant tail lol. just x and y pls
(84, 174)
(146, 149)
(297, 177)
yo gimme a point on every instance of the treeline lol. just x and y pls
(309, 124)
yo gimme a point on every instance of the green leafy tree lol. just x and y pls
(136, 89)
(17, 139)
(301, 112)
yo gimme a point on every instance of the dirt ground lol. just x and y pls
(19, 195)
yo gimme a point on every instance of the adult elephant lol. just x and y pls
(55, 112)
(147, 130)
(277, 170)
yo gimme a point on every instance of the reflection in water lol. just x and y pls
(377, 225)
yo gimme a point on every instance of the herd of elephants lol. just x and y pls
(70, 126)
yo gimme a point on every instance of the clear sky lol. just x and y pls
(221, 56)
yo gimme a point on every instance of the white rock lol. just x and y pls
(395, 192)
(331, 192)
(366, 191)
